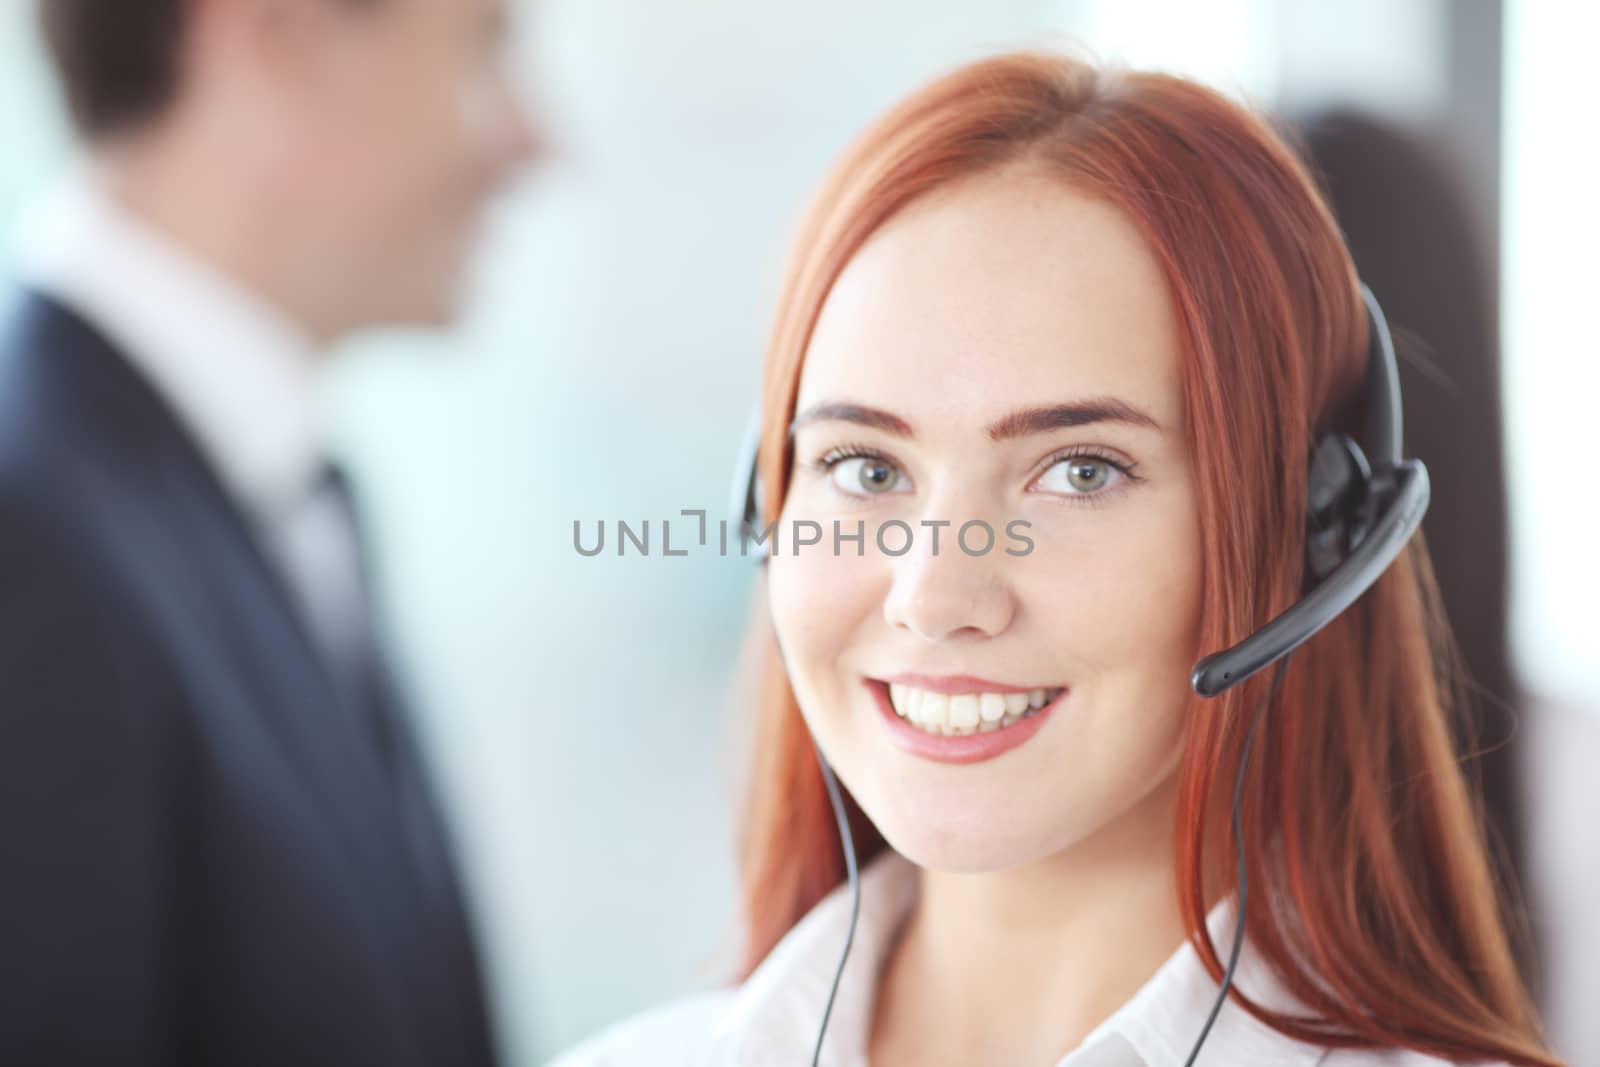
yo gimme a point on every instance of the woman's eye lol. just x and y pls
(1079, 476)
(865, 475)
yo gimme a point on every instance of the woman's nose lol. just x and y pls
(951, 595)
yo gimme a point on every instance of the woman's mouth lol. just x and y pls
(959, 714)
(960, 720)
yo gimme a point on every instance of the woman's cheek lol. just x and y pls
(1087, 582)
(819, 596)
(1123, 579)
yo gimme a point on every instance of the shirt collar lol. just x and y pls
(776, 1011)
(239, 374)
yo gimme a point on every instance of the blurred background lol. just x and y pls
(579, 710)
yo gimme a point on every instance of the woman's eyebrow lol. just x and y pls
(1064, 416)
(859, 414)
(1020, 423)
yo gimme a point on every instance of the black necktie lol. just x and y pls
(443, 939)
(356, 664)
(372, 693)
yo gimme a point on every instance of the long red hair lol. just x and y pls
(1373, 894)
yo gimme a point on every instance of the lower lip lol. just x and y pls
(968, 748)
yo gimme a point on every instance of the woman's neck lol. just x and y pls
(1019, 965)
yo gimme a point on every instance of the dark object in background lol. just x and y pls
(118, 62)
(209, 853)
(1415, 244)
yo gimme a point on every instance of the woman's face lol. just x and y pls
(1003, 350)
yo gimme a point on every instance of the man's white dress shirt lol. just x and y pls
(238, 374)
(771, 1019)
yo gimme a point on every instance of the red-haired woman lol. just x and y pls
(1103, 315)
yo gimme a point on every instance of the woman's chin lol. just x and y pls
(959, 843)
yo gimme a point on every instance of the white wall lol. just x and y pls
(1550, 233)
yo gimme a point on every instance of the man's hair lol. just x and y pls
(118, 61)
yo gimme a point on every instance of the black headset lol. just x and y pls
(1361, 509)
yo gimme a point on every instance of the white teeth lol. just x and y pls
(964, 713)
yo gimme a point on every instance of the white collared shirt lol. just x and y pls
(771, 1019)
(240, 376)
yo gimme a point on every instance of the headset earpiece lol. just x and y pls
(1338, 503)
(747, 501)
(1360, 513)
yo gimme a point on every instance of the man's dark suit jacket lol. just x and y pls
(206, 856)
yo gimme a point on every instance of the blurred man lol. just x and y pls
(218, 844)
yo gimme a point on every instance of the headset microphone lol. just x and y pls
(1361, 509)
(1359, 516)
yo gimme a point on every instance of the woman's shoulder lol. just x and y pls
(674, 1033)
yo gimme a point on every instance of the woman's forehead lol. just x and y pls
(1008, 288)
